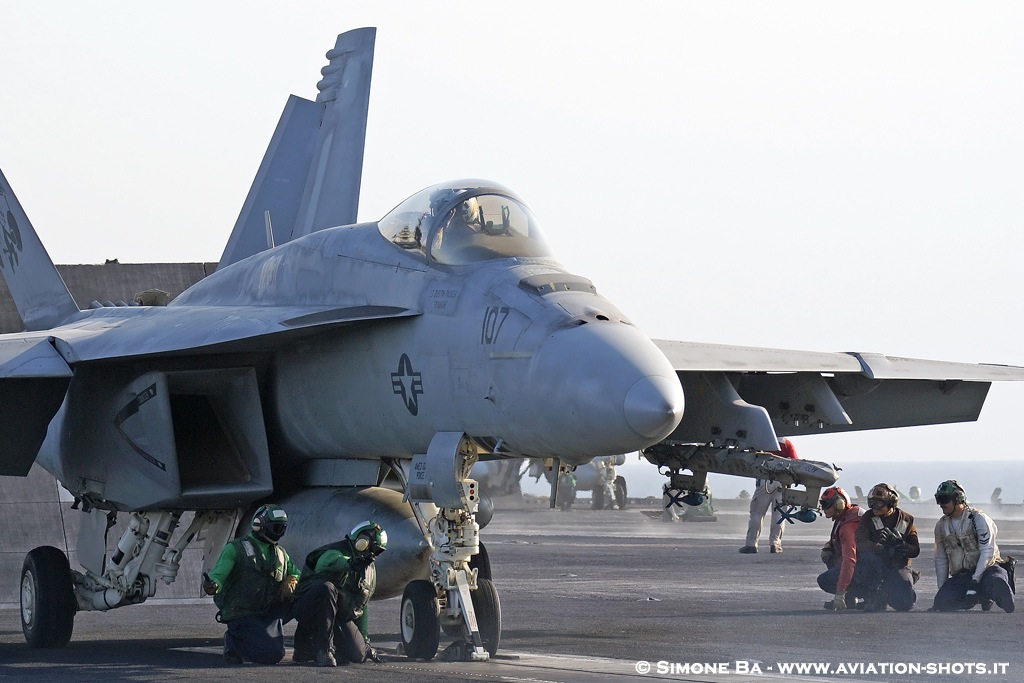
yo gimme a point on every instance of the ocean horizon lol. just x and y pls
(978, 477)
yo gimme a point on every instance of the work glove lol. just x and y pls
(286, 593)
(372, 654)
(900, 551)
(209, 585)
(889, 537)
(827, 554)
(839, 602)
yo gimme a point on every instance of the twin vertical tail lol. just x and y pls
(39, 292)
(312, 170)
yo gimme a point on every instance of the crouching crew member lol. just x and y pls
(886, 542)
(967, 561)
(337, 582)
(252, 584)
(840, 553)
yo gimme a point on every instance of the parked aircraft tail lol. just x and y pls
(39, 292)
(320, 143)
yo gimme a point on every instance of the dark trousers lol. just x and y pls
(952, 595)
(319, 628)
(828, 579)
(257, 638)
(873, 574)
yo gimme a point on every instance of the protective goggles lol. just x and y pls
(879, 503)
(942, 499)
(827, 503)
(274, 530)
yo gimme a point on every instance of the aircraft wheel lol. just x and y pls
(421, 629)
(488, 614)
(621, 496)
(481, 563)
(597, 498)
(48, 603)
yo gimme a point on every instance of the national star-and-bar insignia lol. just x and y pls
(407, 384)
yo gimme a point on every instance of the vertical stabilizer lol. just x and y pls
(331, 193)
(42, 298)
(278, 185)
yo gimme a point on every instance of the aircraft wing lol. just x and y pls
(750, 396)
(33, 381)
(134, 332)
(36, 367)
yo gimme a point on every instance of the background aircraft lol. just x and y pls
(309, 370)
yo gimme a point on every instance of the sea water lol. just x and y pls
(978, 477)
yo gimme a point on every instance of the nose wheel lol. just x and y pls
(488, 614)
(459, 595)
(421, 628)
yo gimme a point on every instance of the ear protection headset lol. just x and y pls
(885, 493)
(369, 537)
(953, 490)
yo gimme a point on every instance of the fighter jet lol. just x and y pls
(325, 358)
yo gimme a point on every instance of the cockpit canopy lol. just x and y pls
(464, 222)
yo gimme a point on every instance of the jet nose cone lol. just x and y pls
(653, 406)
(595, 389)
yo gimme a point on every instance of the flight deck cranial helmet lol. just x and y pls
(368, 537)
(269, 523)
(950, 491)
(882, 496)
(835, 496)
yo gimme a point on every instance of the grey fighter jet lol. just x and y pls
(324, 359)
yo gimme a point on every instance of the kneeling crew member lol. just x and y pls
(252, 584)
(967, 562)
(337, 582)
(840, 553)
(886, 542)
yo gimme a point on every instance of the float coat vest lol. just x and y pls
(355, 586)
(960, 542)
(253, 584)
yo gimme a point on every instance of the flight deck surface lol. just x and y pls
(593, 595)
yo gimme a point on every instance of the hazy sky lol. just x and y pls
(810, 175)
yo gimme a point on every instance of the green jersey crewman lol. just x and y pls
(337, 582)
(252, 584)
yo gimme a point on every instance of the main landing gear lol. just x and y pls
(52, 593)
(459, 598)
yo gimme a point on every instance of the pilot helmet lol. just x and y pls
(835, 496)
(368, 537)
(269, 523)
(469, 210)
(882, 495)
(950, 491)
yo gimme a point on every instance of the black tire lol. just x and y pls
(597, 498)
(621, 495)
(481, 562)
(48, 603)
(420, 627)
(488, 614)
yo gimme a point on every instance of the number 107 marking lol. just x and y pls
(494, 318)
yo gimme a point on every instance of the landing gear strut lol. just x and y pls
(459, 597)
(51, 592)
